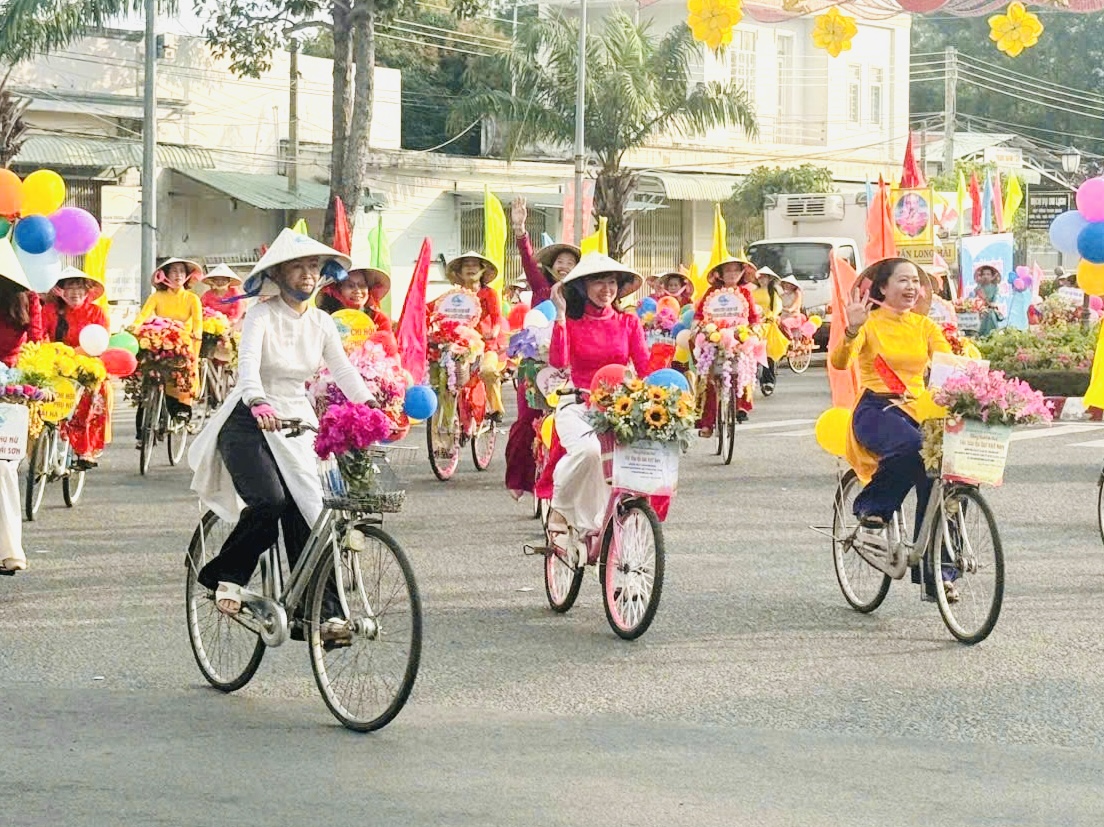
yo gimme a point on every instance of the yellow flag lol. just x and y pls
(1094, 396)
(596, 242)
(95, 264)
(697, 278)
(300, 226)
(1013, 197)
(720, 240)
(494, 235)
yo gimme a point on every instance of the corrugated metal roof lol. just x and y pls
(966, 144)
(102, 153)
(265, 192)
(691, 186)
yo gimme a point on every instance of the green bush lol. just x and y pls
(1059, 348)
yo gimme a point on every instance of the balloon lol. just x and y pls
(1090, 199)
(648, 305)
(94, 339)
(1090, 277)
(831, 430)
(1090, 242)
(43, 192)
(677, 329)
(534, 318)
(682, 339)
(669, 302)
(1065, 229)
(386, 340)
(35, 234)
(11, 193)
(610, 375)
(816, 321)
(123, 341)
(420, 402)
(548, 309)
(516, 316)
(668, 377)
(5, 226)
(807, 329)
(1096, 304)
(119, 362)
(77, 231)
(1018, 284)
(42, 270)
(682, 354)
(687, 315)
(547, 426)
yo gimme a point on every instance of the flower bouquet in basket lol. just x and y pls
(453, 348)
(348, 433)
(385, 378)
(42, 362)
(164, 351)
(16, 388)
(732, 352)
(968, 440)
(216, 334)
(530, 350)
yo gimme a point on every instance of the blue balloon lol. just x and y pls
(547, 309)
(666, 378)
(677, 329)
(687, 316)
(35, 234)
(1065, 230)
(420, 402)
(1090, 242)
(648, 305)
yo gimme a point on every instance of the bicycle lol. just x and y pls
(216, 378)
(799, 355)
(51, 459)
(469, 424)
(726, 420)
(629, 552)
(970, 555)
(364, 679)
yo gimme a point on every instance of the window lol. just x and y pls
(742, 61)
(854, 94)
(877, 94)
(785, 52)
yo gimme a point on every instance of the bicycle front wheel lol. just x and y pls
(38, 472)
(973, 561)
(1100, 505)
(630, 569)
(719, 422)
(730, 426)
(366, 678)
(152, 403)
(863, 586)
(443, 441)
(483, 445)
(561, 582)
(72, 486)
(226, 652)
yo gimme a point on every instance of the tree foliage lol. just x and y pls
(749, 196)
(638, 88)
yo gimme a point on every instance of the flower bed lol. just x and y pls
(1055, 359)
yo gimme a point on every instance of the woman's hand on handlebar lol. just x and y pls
(265, 416)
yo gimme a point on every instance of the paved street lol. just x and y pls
(757, 697)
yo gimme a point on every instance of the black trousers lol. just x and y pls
(768, 373)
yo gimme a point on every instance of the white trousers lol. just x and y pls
(579, 490)
(11, 519)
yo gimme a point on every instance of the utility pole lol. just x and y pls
(949, 107)
(293, 119)
(580, 110)
(149, 152)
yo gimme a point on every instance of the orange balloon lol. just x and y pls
(669, 302)
(1090, 277)
(11, 193)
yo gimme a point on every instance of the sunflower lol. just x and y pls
(656, 416)
(634, 385)
(622, 406)
(683, 410)
(656, 395)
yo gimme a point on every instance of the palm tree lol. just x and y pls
(638, 88)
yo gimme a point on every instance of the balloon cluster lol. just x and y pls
(1081, 232)
(116, 352)
(1020, 279)
(41, 229)
(673, 321)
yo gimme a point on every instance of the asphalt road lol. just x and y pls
(757, 697)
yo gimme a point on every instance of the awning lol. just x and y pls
(104, 153)
(689, 186)
(263, 191)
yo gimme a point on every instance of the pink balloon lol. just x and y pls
(808, 329)
(1018, 284)
(77, 231)
(1090, 199)
(1096, 303)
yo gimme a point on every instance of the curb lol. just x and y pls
(1072, 409)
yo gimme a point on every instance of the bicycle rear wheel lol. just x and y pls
(205, 401)
(799, 362)
(38, 472)
(730, 426)
(444, 446)
(483, 445)
(226, 652)
(973, 559)
(719, 422)
(177, 442)
(366, 681)
(152, 403)
(72, 486)
(863, 586)
(1100, 505)
(630, 569)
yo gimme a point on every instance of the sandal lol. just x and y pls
(951, 591)
(230, 592)
(10, 565)
(705, 433)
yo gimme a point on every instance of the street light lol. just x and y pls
(1071, 160)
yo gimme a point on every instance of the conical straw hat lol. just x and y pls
(452, 269)
(194, 270)
(222, 271)
(373, 274)
(10, 268)
(94, 292)
(548, 254)
(288, 246)
(595, 264)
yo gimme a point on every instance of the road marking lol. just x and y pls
(778, 423)
(809, 432)
(1092, 443)
(1053, 430)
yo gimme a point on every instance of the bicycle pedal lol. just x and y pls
(534, 551)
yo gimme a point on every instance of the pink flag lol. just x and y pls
(413, 333)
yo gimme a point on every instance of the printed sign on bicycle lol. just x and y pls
(64, 402)
(975, 452)
(14, 423)
(726, 306)
(460, 306)
(646, 467)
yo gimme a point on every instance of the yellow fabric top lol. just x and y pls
(761, 297)
(906, 341)
(181, 305)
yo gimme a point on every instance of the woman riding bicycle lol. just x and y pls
(246, 469)
(363, 289)
(222, 289)
(590, 332)
(768, 298)
(542, 269)
(884, 442)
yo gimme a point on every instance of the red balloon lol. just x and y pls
(516, 319)
(386, 340)
(400, 427)
(119, 362)
(921, 6)
(610, 376)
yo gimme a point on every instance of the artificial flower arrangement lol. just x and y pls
(42, 362)
(530, 350)
(17, 388)
(216, 333)
(1059, 310)
(970, 304)
(730, 349)
(347, 431)
(453, 348)
(377, 362)
(165, 351)
(633, 411)
(960, 345)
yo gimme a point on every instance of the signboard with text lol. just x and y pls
(1043, 206)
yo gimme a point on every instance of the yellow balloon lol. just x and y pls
(831, 430)
(714, 337)
(553, 399)
(546, 430)
(43, 192)
(926, 407)
(682, 354)
(1090, 277)
(816, 320)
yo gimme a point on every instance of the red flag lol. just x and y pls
(880, 242)
(343, 238)
(844, 383)
(911, 174)
(412, 333)
(975, 204)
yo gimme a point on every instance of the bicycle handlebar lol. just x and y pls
(295, 427)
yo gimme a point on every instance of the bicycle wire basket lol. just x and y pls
(381, 493)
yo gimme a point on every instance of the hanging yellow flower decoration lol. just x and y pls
(1015, 31)
(712, 21)
(833, 32)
